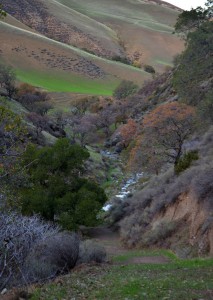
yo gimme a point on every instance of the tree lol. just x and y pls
(169, 125)
(57, 189)
(128, 131)
(164, 131)
(12, 142)
(125, 89)
(194, 68)
(191, 20)
(80, 106)
(40, 122)
(106, 117)
(7, 80)
(33, 99)
(2, 12)
(205, 108)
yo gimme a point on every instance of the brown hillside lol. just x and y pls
(142, 31)
(49, 18)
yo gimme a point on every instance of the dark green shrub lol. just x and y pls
(149, 69)
(122, 59)
(186, 161)
(193, 72)
(56, 188)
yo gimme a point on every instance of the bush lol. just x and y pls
(54, 255)
(162, 231)
(18, 235)
(116, 211)
(57, 190)
(125, 89)
(186, 161)
(91, 252)
(149, 69)
(193, 73)
(121, 59)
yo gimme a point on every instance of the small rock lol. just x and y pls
(4, 291)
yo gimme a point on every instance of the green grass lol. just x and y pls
(179, 279)
(139, 253)
(60, 83)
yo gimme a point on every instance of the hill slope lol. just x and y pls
(58, 67)
(139, 30)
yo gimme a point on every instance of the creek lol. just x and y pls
(128, 184)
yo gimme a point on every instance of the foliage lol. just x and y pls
(57, 190)
(189, 20)
(7, 80)
(162, 191)
(52, 256)
(2, 12)
(128, 131)
(33, 99)
(162, 231)
(91, 252)
(149, 69)
(125, 89)
(205, 108)
(194, 68)
(18, 234)
(12, 142)
(164, 131)
(121, 59)
(186, 161)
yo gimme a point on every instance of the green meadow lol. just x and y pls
(71, 83)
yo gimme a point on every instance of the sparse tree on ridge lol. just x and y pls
(2, 12)
(193, 19)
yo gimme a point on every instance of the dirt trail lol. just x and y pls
(110, 240)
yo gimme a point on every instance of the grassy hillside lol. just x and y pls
(68, 46)
(140, 26)
(55, 66)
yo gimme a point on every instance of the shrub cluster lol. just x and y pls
(32, 250)
(149, 69)
(91, 252)
(18, 234)
(186, 161)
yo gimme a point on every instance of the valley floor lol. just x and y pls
(132, 274)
